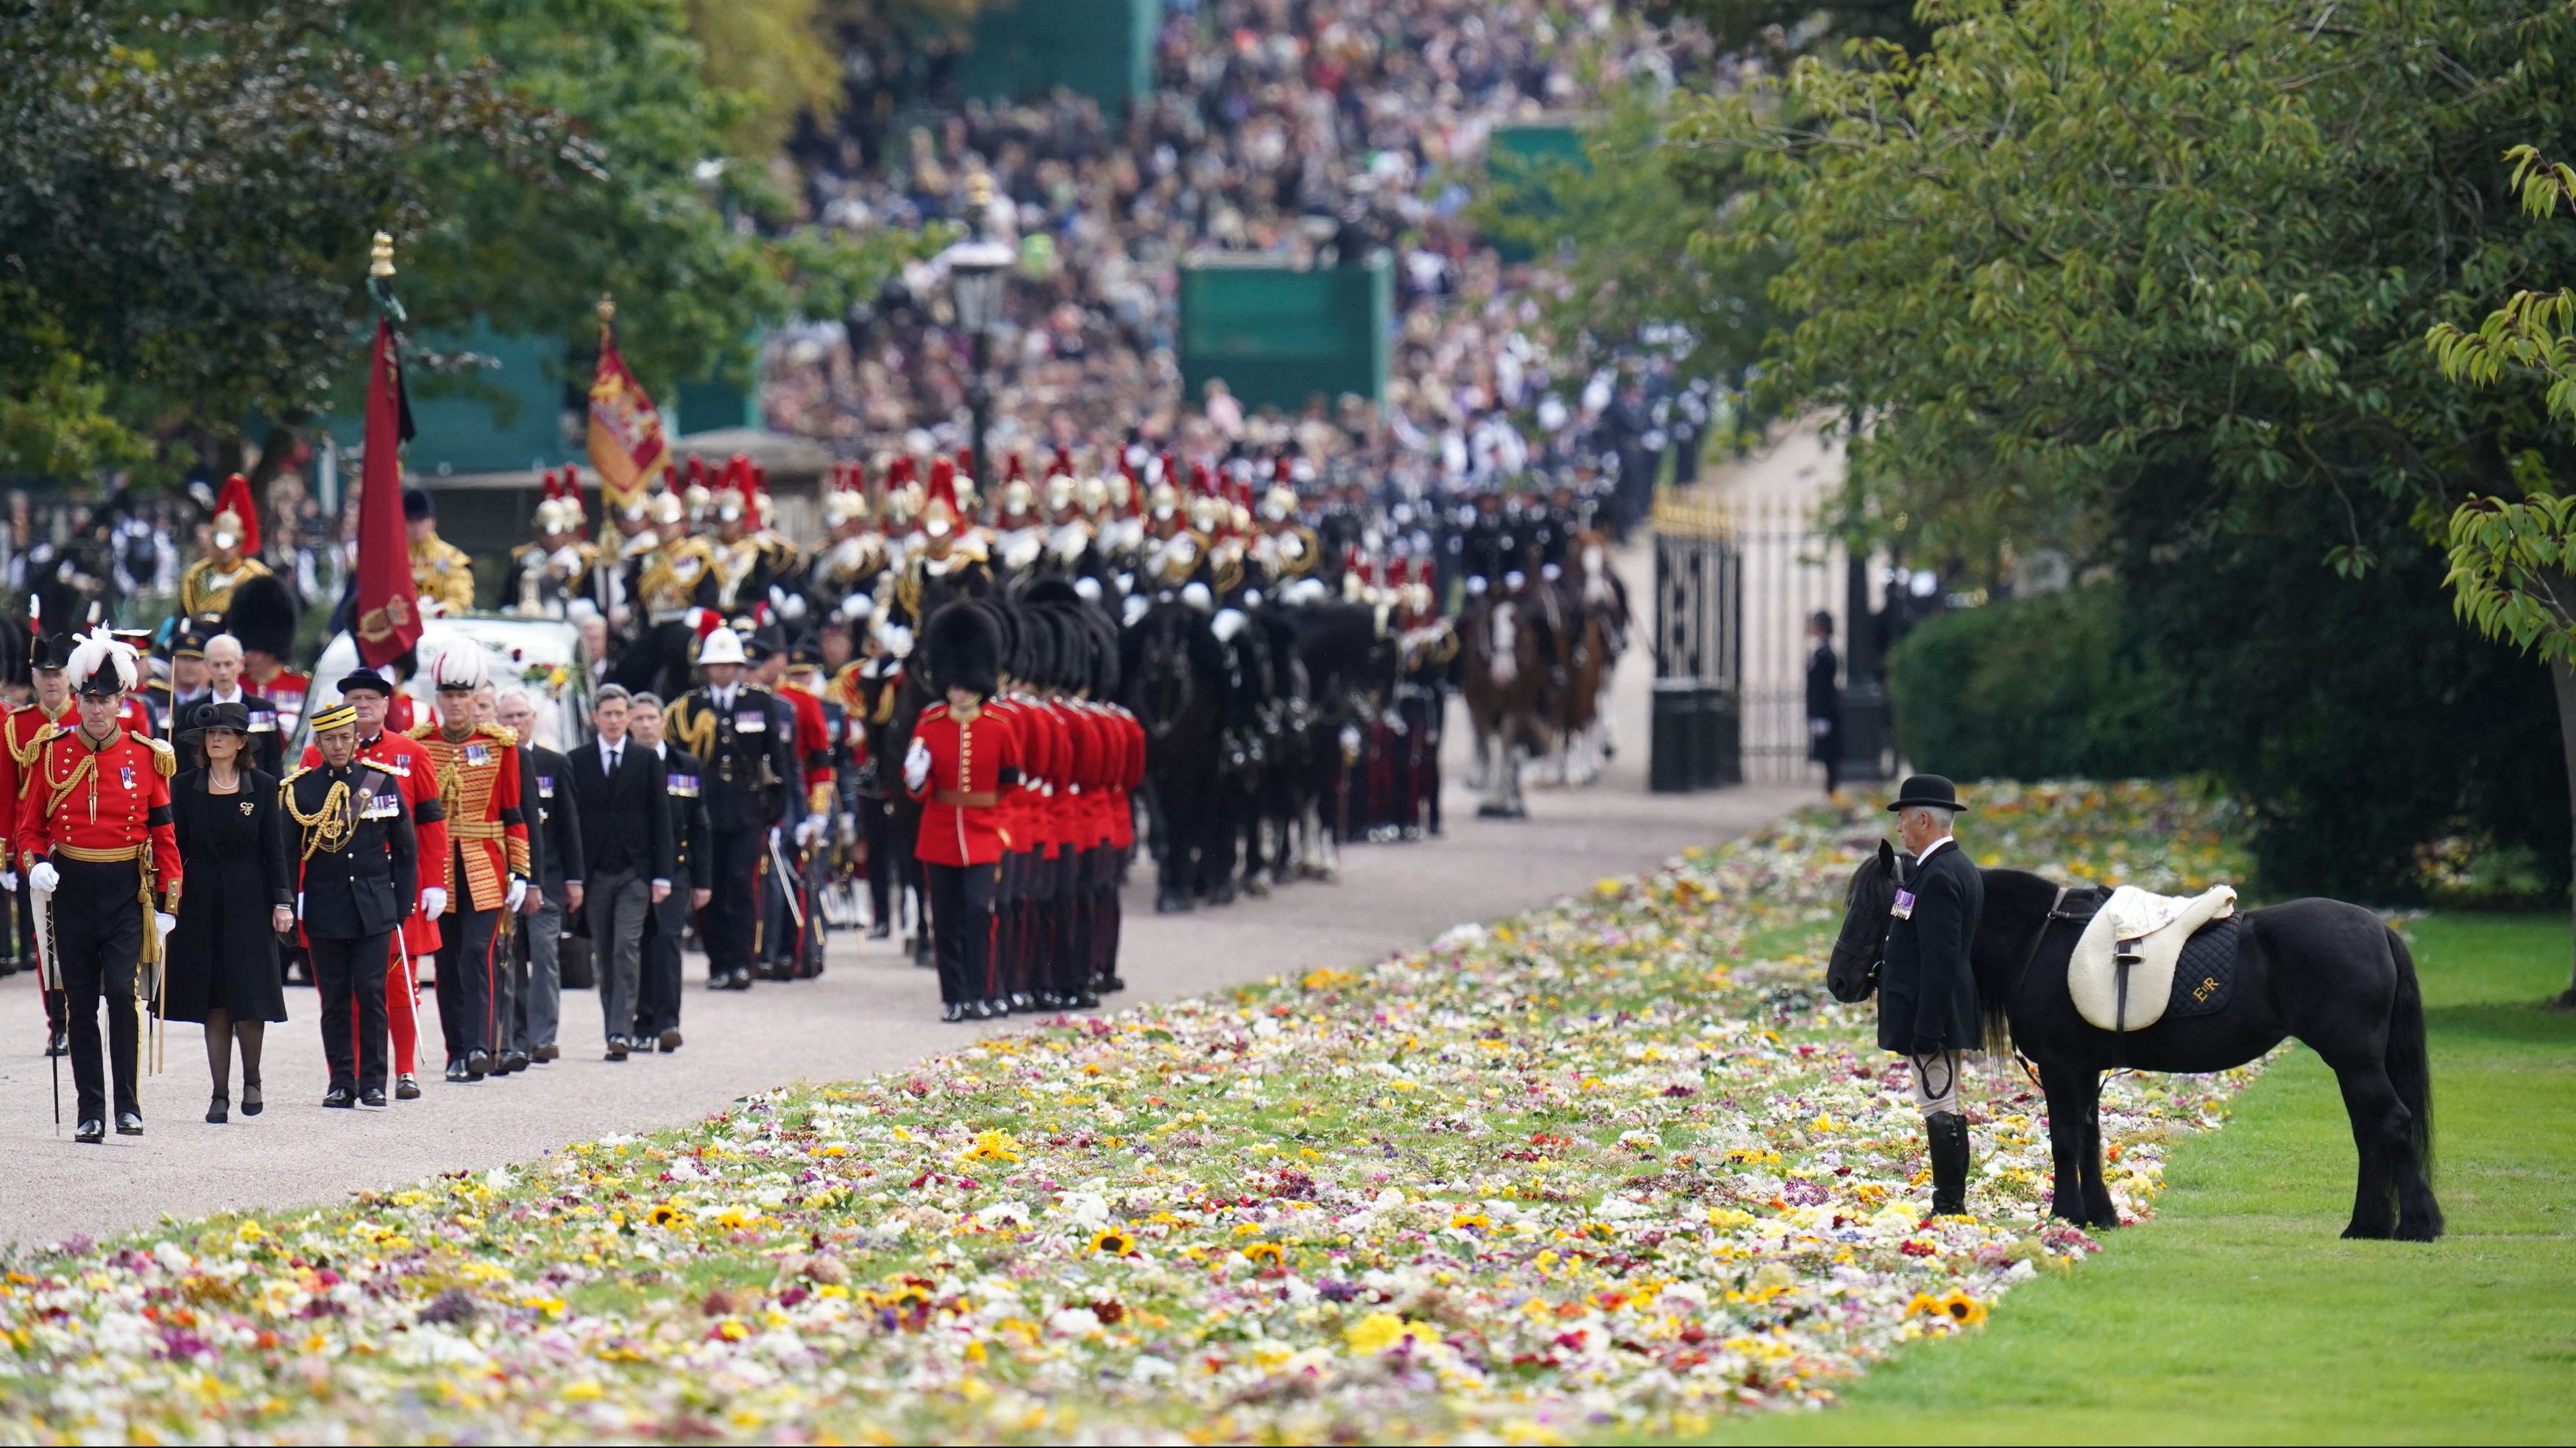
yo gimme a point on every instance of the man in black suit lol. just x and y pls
(618, 789)
(657, 1016)
(557, 859)
(1927, 995)
(224, 685)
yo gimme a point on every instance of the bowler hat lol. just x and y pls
(202, 717)
(1927, 789)
(366, 679)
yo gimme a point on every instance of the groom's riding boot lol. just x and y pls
(1947, 1133)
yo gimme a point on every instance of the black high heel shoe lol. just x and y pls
(250, 1102)
(217, 1112)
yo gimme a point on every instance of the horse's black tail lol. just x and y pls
(2409, 1068)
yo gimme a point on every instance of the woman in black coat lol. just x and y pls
(238, 897)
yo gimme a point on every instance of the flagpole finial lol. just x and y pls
(381, 261)
(607, 309)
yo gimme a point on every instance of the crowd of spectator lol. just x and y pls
(1315, 132)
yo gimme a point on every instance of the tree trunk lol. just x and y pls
(2564, 676)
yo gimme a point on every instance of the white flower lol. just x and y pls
(1074, 1322)
(1149, 1369)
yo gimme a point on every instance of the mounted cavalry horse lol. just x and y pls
(2328, 973)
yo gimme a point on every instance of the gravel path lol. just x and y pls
(871, 1011)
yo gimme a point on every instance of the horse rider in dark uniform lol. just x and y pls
(102, 861)
(360, 878)
(745, 741)
(1927, 994)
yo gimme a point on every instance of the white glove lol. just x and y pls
(916, 770)
(811, 830)
(43, 878)
(166, 921)
(518, 892)
(433, 901)
(8, 880)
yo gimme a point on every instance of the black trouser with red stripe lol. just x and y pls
(98, 945)
(961, 922)
(469, 980)
(351, 976)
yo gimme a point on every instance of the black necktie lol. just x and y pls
(614, 755)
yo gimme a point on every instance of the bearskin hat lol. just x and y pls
(964, 642)
(262, 615)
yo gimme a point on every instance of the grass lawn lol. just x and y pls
(2238, 1315)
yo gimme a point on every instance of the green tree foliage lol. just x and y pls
(2056, 686)
(186, 204)
(2513, 560)
(1635, 235)
(185, 207)
(2072, 239)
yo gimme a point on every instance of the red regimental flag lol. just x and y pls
(625, 431)
(388, 614)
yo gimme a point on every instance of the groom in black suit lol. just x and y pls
(617, 790)
(1927, 995)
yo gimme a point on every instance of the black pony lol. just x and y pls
(2329, 973)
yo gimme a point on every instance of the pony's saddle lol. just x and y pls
(2123, 974)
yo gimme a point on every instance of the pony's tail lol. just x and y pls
(1996, 1025)
(2409, 1068)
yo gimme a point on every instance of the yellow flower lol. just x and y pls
(1380, 1331)
(732, 1330)
(1111, 1242)
(665, 1215)
(1472, 1221)
(1265, 1254)
(585, 1391)
(1962, 1309)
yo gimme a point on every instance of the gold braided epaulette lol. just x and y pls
(164, 758)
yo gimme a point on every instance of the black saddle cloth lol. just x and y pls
(2205, 976)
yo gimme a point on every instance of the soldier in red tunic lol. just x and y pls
(95, 839)
(477, 767)
(961, 759)
(53, 705)
(384, 746)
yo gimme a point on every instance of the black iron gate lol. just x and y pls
(1699, 650)
(1736, 584)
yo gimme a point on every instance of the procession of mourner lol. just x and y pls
(1286, 721)
(960, 717)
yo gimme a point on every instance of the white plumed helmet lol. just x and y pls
(101, 656)
(458, 667)
(723, 646)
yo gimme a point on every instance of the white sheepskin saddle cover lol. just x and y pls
(2154, 928)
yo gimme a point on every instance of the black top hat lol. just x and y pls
(366, 679)
(202, 717)
(1927, 789)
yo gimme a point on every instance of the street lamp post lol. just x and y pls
(975, 268)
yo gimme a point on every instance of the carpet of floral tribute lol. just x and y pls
(1614, 1166)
